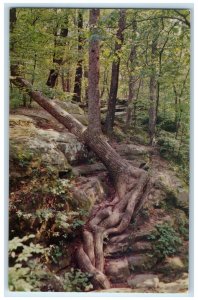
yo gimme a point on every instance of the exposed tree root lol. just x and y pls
(132, 190)
(131, 185)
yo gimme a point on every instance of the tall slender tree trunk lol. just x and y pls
(176, 111)
(13, 20)
(105, 75)
(85, 74)
(109, 122)
(132, 78)
(135, 103)
(153, 88)
(93, 76)
(65, 81)
(59, 34)
(34, 69)
(152, 108)
(78, 75)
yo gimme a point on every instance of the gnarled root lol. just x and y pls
(132, 191)
(99, 279)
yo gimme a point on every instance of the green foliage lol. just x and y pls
(16, 98)
(176, 151)
(59, 223)
(77, 281)
(27, 251)
(166, 241)
(18, 279)
(24, 158)
(182, 224)
(56, 93)
(164, 123)
(168, 125)
(55, 253)
(23, 270)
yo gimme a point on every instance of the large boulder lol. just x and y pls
(29, 143)
(117, 270)
(87, 192)
(74, 110)
(143, 281)
(170, 190)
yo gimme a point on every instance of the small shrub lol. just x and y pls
(16, 98)
(166, 241)
(168, 146)
(24, 271)
(77, 281)
(168, 125)
(55, 253)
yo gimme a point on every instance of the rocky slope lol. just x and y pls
(152, 255)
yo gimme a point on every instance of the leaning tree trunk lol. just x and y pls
(131, 186)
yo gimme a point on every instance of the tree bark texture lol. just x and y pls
(132, 78)
(60, 35)
(13, 20)
(65, 80)
(93, 75)
(109, 122)
(153, 89)
(78, 75)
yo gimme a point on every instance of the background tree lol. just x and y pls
(79, 70)
(132, 77)
(115, 73)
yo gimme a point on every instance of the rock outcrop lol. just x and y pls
(131, 258)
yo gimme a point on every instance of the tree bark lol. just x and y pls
(153, 88)
(109, 122)
(65, 80)
(93, 75)
(135, 103)
(60, 33)
(132, 78)
(78, 75)
(13, 18)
